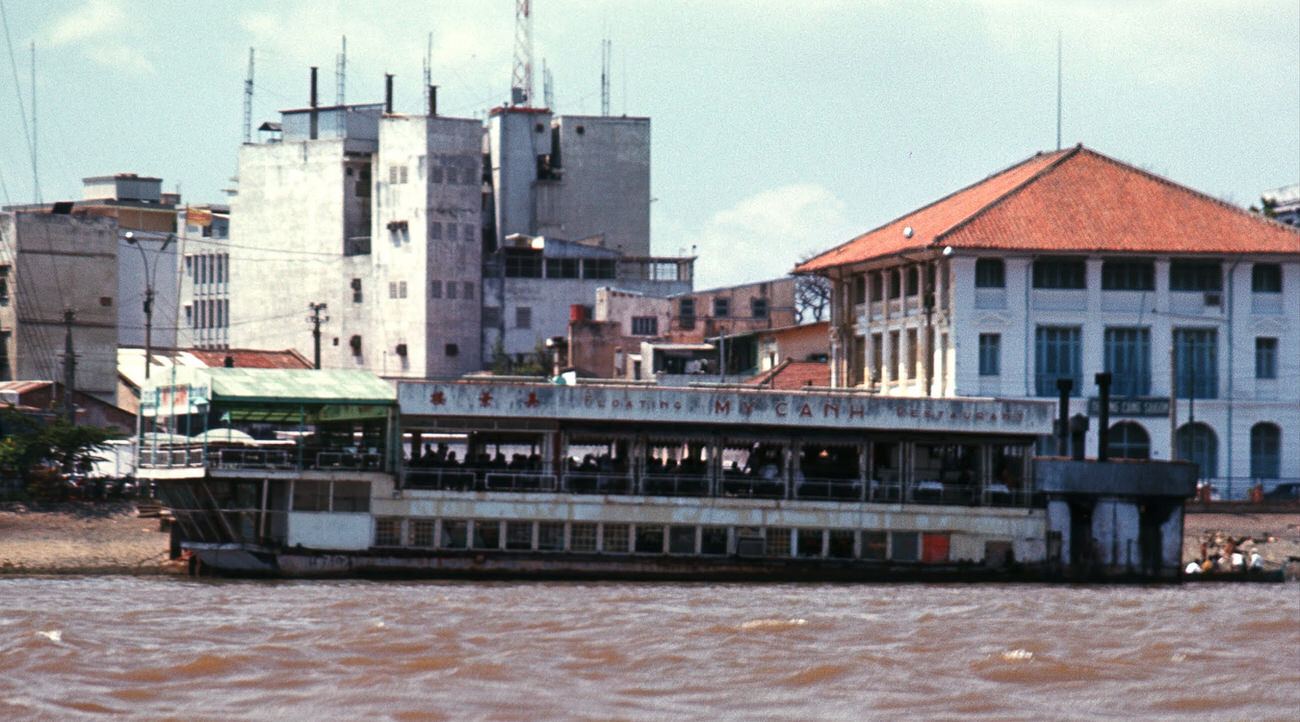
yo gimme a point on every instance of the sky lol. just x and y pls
(780, 128)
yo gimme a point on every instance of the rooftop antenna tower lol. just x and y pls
(521, 78)
(341, 73)
(606, 51)
(248, 100)
(428, 71)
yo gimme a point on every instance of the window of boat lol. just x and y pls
(904, 546)
(519, 535)
(388, 531)
(550, 536)
(421, 532)
(713, 540)
(487, 534)
(681, 540)
(875, 545)
(351, 496)
(840, 544)
(455, 534)
(614, 539)
(311, 496)
(582, 537)
(649, 539)
(884, 462)
(810, 543)
(750, 542)
(1009, 465)
(778, 542)
(753, 468)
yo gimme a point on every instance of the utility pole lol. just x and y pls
(315, 319)
(69, 366)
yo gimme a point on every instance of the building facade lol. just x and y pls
(58, 276)
(1072, 263)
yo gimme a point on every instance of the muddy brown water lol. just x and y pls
(157, 648)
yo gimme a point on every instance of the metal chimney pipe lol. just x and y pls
(433, 100)
(1103, 417)
(1063, 386)
(388, 93)
(315, 120)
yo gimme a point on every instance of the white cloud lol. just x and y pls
(765, 235)
(100, 27)
(93, 19)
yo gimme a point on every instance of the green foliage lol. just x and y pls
(536, 363)
(25, 443)
(1267, 207)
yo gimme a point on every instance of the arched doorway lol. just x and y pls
(1198, 444)
(1128, 440)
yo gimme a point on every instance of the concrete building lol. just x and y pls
(1072, 263)
(532, 284)
(421, 234)
(53, 264)
(576, 177)
(1284, 203)
(203, 235)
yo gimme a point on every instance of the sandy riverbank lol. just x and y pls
(108, 538)
(79, 538)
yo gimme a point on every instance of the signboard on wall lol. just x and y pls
(1141, 406)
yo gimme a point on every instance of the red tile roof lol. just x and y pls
(793, 375)
(252, 359)
(1076, 201)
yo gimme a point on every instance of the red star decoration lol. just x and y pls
(532, 400)
(438, 398)
(485, 399)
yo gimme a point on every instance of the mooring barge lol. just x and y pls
(324, 473)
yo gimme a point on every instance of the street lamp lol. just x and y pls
(149, 278)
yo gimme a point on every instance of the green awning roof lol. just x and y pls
(299, 386)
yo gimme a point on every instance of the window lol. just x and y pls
(451, 289)
(614, 539)
(598, 268)
(1128, 440)
(487, 534)
(877, 286)
(686, 308)
(721, 307)
(351, 496)
(758, 307)
(681, 539)
(905, 546)
(859, 289)
(451, 350)
(4, 290)
(809, 542)
(523, 317)
(561, 268)
(1196, 358)
(990, 273)
(649, 539)
(1057, 355)
(392, 289)
(356, 290)
(435, 289)
(911, 281)
(401, 289)
(1128, 359)
(778, 542)
(421, 532)
(467, 233)
(1061, 273)
(913, 354)
(455, 534)
(435, 231)
(645, 326)
(523, 264)
(1266, 278)
(491, 316)
(519, 535)
(1188, 275)
(1128, 276)
(6, 372)
(550, 536)
(388, 532)
(895, 283)
(713, 540)
(1265, 451)
(468, 289)
(582, 537)
(1265, 358)
(990, 354)
(311, 496)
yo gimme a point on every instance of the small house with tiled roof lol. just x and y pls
(1071, 263)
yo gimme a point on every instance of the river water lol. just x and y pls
(150, 648)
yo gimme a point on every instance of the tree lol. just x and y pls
(26, 444)
(535, 363)
(1267, 207)
(812, 298)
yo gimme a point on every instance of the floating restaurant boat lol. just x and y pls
(347, 474)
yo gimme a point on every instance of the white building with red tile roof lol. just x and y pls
(1072, 263)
